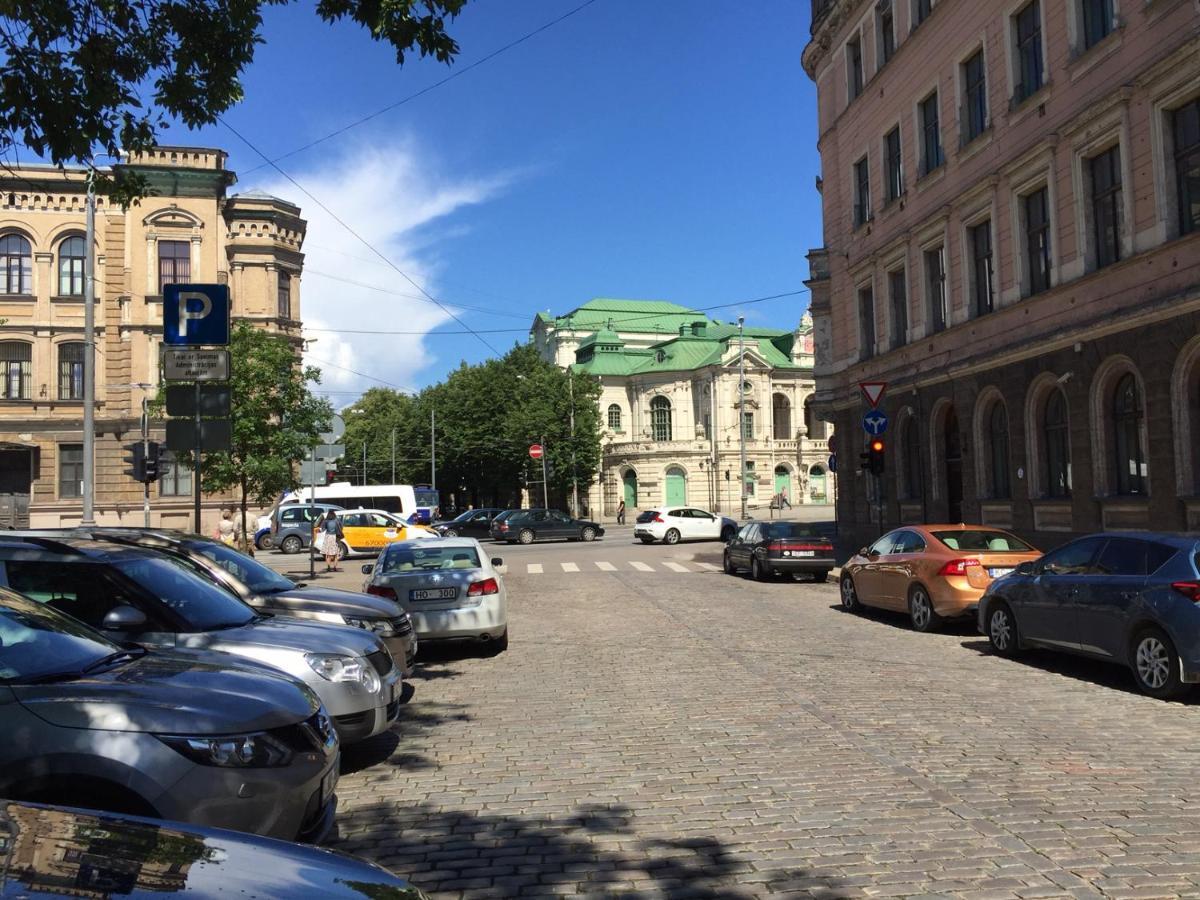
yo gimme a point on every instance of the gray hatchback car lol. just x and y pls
(139, 595)
(198, 737)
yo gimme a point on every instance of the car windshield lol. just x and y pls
(426, 498)
(37, 642)
(977, 541)
(259, 578)
(203, 605)
(792, 530)
(400, 560)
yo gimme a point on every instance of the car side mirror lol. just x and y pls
(1025, 568)
(864, 551)
(368, 568)
(124, 618)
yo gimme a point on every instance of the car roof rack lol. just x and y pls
(47, 539)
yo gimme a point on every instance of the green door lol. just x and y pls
(676, 487)
(816, 485)
(783, 482)
(630, 480)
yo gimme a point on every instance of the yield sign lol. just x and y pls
(873, 391)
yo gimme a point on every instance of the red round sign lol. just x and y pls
(535, 451)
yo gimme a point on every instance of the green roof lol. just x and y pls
(653, 316)
(684, 353)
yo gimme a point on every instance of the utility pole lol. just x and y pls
(742, 407)
(89, 357)
(574, 480)
(433, 449)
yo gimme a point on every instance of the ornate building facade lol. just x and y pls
(188, 230)
(671, 406)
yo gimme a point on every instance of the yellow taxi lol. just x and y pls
(366, 531)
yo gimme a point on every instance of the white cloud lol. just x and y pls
(389, 197)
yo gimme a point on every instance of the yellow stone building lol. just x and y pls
(190, 230)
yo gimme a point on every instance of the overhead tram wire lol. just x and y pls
(425, 90)
(383, 290)
(359, 237)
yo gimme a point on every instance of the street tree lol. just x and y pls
(80, 78)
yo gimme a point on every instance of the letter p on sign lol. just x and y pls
(195, 315)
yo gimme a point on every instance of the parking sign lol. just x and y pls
(195, 314)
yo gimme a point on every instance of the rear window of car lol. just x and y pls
(792, 530)
(647, 516)
(975, 541)
(422, 559)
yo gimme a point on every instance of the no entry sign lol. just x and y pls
(535, 451)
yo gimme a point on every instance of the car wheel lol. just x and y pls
(758, 571)
(588, 534)
(291, 544)
(727, 534)
(727, 563)
(266, 542)
(672, 536)
(849, 595)
(1155, 664)
(1002, 630)
(499, 645)
(526, 536)
(449, 532)
(920, 610)
(343, 550)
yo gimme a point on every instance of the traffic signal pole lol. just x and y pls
(146, 455)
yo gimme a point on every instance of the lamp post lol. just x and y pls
(742, 408)
(89, 357)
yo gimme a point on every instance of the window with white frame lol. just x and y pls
(921, 11)
(854, 67)
(974, 93)
(886, 28)
(176, 477)
(70, 471)
(931, 134)
(862, 192)
(1096, 21)
(983, 286)
(614, 417)
(1035, 212)
(1185, 135)
(893, 166)
(16, 264)
(70, 370)
(935, 289)
(71, 257)
(1104, 173)
(16, 370)
(898, 304)
(1027, 46)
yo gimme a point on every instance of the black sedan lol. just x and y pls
(771, 548)
(548, 525)
(474, 523)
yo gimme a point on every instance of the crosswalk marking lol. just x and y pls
(534, 568)
(606, 567)
(642, 567)
(708, 567)
(693, 567)
(675, 567)
(570, 567)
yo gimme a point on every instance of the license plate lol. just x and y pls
(999, 573)
(801, 552)
(434, 594)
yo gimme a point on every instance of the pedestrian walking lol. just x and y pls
(783, 500)
(329, 532)
(621, 512)
(226, 528)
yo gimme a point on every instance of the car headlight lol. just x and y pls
(333, 667)
(378, 626)
(243, 751)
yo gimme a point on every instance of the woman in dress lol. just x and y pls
(330, 530)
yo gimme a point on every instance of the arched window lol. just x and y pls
(16, 369)
(1057, 443)
(660, 418)
(614, 417)
(1128, 455)
(781, 417)
(999, 484)
(910, 445)
(71, 253)
(70, 370)
(16, 264)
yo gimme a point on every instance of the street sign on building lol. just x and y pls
(195, 315)
(873, 391)
(216, 435)
(535, 451)
(875, 422)
(195, 365)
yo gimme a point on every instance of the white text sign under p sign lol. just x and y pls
(195, 365)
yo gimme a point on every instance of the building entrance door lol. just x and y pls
(816, 485)
(16, 483)
(954, 482)
(676, 486)
(629, 481)
(783, 482)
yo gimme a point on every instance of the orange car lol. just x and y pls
(932, 572)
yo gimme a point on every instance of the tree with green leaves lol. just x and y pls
(85, 77)
(275, 419)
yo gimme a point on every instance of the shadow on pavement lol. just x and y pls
(594, 850)
(415, 717)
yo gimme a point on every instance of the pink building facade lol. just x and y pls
(1011, 198)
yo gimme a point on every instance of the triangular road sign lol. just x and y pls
(873, 391)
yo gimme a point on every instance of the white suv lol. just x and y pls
(683, 523)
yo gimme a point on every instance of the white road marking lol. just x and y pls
(708, 567)
(675, 567)
(534, 568)
(606, 566)
(570, 567)
(642, 567)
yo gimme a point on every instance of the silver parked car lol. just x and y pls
(450, 587)
(138, 595)
(201, 738)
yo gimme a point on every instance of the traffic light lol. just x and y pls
(330, 476)
(151, 466)
(864, 461)
(876, 456)
(726, 474)
(135, 460)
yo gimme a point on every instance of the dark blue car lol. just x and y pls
(1129, 598)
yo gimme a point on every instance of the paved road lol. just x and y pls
(688, 734)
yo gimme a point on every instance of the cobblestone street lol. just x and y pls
(704, 736)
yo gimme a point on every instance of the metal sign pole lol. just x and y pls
(196, 468)
(146, 456)
(545, 487)
(312, 506)
(89, 358)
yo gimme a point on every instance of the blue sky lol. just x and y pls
(660, 150)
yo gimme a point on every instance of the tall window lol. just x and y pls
(892, 164)
(975, 97)
(16, 264)
(748, 425)
(781, 418)
(70, 370)
(1106, 205)
(1097, 21)
(931, 135)
(614, 417)
(1037, 240)
(176, 479)
(285, 295)
(982, 291)
(935, 289)
(862, 192)
(854, 66)
(750, 479)
(16, 363)
(174, 263)
(660, 418)
(1128, 457)
(70, 471)
(71, 253)
(921, 10)
(866, 323)
(1185, 123)
(1000, 485)
(898, 298)
(887, 31)
(1057, 444)
(910, 442)
(1027, 25)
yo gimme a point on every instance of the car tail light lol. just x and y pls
(657, 518)
(1189, 589)
(382, 590)
(482, 588)
(958, 566)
